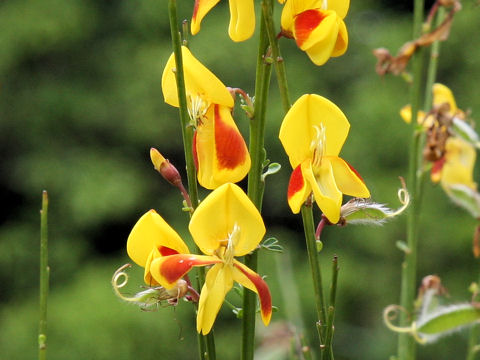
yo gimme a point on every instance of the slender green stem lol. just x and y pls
(309, 230)
(406, 343)
(433, 63)
(328, 354)
(44, 278)
(187, 130)
(206, 343)
(277, 57)
(255, 183)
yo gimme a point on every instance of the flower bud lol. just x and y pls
(163, 166)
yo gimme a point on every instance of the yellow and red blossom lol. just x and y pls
(225, 225)
(220, 152)
(317, 27)
(312, 134)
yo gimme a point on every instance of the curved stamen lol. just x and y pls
(317, 146)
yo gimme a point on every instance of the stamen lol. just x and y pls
(325, 5)
(233, 238)
(317, 146)
(197, 108)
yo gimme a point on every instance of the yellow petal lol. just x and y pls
(342, 39)
(294, 7)
(298, 128)
(200, 9)
(217, 283)
(216, 217)
(316, 28)
(147, 275)
(325, 191)
(339, 6)
(221, 153)
(442, 94)
(242, 19)
(348, 180)
(150, 232)
(251, 280)
(459, 164)
(199, 82)
(167, 270)
(298, 190)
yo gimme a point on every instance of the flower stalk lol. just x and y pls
(206, 343)
(406, 343)
(255, 182)
(44, 278)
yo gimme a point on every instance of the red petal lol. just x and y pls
(305, 23)
(166, 251)
(175, 266)
(355, 171)
(229, 144)
(296, 182)
(263, 292)
(195, 9)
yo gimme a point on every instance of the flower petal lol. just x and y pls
(460, 161)
(442, 94)
(200, 9)
(294, 7)
(342, 39)
(199, 82)
(298, 128)
(152, 232)
(298, 190)
(339, 6)
(220, 150)
(217, 283)
(216, 217)
(251, 280)
(348, 180)
(167, 270)
(325, 190)
(314, 26)
(242, 19)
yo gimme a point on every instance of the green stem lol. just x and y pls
(255, 183)
(331, 311)
(44, 277)
(277, 57)
(309, 230)
(206, 344)
(187, 130)
(473, 339)
(433, 63)
(406, 343)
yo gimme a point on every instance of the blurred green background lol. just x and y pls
(80, 106)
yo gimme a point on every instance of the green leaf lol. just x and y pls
(272, 244)
(446, 319)
(465, 197)
(464, 131)
(273, 168)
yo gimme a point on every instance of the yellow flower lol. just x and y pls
(456, 167)
(220, 152)
(225, 225)
(242, 17)
(317, 27)
(442, 95)
(312, 134)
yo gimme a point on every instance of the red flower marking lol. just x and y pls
(438, 166)
(175, 266)
(296, 182)
(305, 23)
(166, 251)
(263, 291)
(231, 149)
(355, 171)
(195, 9)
